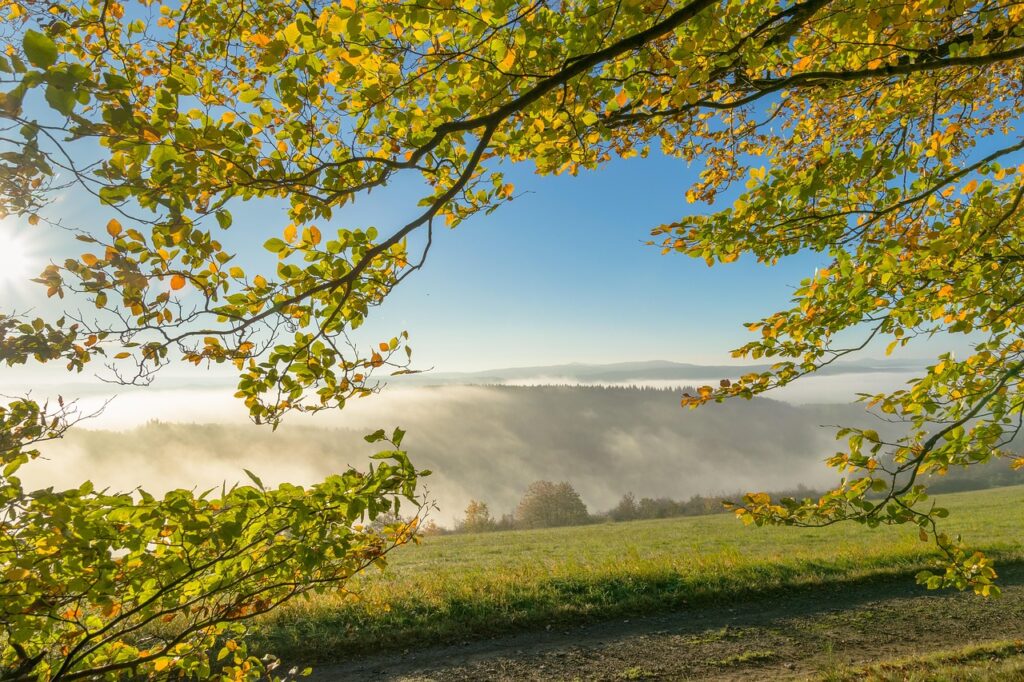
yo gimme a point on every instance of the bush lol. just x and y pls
(478, 518)
(546, 504)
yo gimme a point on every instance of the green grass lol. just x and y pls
(468, 586)
(993, 662)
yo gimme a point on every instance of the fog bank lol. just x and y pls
(485, 443)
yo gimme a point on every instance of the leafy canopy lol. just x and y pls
(882, 135)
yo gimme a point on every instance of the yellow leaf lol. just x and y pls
(89, 259)
(177, 282)
(289, 233)
(349, 4)
(508, 61)
(260, 281)
(113, 227)
(16, 574)
(227, 117)
(236, 272)
(33, 219)
(336, 25)
(969, 187)
(291, 33)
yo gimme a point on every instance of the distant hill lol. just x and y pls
(630, 372)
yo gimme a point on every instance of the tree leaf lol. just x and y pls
(40, 49)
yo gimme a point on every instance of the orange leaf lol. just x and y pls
(113, 228)
(89, 259)
(508, 61)
(177, 282)
(314, 235)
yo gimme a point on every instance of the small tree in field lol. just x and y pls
(477, 519)
(546, 505)
(626, 509)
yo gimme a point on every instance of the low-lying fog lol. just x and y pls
(482, 442)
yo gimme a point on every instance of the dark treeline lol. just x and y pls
(551, 505)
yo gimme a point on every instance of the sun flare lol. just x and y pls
(15, 259)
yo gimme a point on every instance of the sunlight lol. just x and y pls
(15, 259)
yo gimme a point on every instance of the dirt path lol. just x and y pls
(796, 636)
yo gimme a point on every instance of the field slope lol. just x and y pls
(465, 587)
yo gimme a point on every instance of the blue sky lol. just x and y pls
(561, 274)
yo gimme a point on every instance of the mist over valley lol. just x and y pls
(483, 442)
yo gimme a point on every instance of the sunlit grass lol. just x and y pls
(462, 586)
(992, 662)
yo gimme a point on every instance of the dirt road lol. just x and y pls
(799, 635)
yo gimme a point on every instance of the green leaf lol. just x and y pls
(115, 81)
(60, 99)
(254, 478)
(377, 435)
(40, 50)
(275, 245)
(248, 96)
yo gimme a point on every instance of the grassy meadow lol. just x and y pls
(456, 587)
